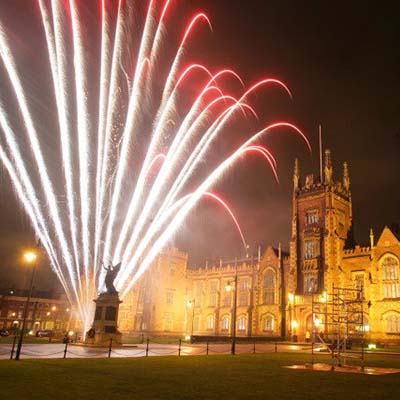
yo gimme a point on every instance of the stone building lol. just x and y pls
(275, 291)
(157, 304)
(46, 311)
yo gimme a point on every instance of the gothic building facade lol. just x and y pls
(274, 291)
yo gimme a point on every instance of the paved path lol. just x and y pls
(56, 350)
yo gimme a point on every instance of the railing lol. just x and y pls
(150, 347)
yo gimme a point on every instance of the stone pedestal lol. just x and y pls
(104, 325)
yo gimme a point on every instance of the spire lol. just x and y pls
(328, 167)
(296, 175)
(371, 238)
(346, 176)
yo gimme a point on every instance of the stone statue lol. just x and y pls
(112, 272)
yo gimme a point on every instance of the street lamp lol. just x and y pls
(191, 304)
(291, 303)
(229, 288)
(30, 258)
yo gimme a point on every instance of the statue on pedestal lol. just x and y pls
(112, 272)
(105, 323)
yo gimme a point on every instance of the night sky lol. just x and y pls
(340, 59)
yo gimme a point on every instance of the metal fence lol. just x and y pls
(150, 347)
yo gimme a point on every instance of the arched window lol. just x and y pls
(393, 323)
(225, 323)
(269, 323)
(242, 324)
(390, 277)
(210, 322)
(269, 286)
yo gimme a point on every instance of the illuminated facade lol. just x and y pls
(275, 290)
(44, 313)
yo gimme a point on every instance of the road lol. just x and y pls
(56, 350)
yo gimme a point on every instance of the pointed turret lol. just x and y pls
(328, 167)
(346, 176)
(371, 238)
(296, 175)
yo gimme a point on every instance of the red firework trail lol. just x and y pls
(230, 212)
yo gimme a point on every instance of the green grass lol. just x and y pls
(259, 376)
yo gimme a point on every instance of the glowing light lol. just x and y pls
(71, 333)
(30, 257)
(372, 346)
(229, 287)
(317, 322)
(295, 324)
(291, 297)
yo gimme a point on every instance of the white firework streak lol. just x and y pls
(28, 194)
(131, 119)
(111, 104)
(47, 185)
(104, 91)
(63, 124)
(83, 137)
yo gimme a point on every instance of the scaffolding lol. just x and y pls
(338, 322)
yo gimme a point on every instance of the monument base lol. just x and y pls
(104, 326)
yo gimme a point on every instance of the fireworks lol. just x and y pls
(126, 168)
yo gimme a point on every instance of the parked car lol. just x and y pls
(45, 333)
(4, 332)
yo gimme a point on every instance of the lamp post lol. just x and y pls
(290, 301)
(191, 304)
(229, 288)
(30, 258)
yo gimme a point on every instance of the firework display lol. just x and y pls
(129, 146)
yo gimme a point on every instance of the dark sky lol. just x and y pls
(341, 61)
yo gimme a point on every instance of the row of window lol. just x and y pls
(244, 291)
(241, 324)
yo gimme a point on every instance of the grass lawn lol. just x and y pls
(259, 376)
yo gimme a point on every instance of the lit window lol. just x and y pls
(359, 285)
(269, 323)
(393, 323)
(269, 287)
(310, 283)
(225, 323)
(309, 249)
(210, 322)
(312, 217)
(213, 294)
(390, 271)
(242, 322)
(244, 292)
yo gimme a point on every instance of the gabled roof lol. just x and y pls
(387, 236)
